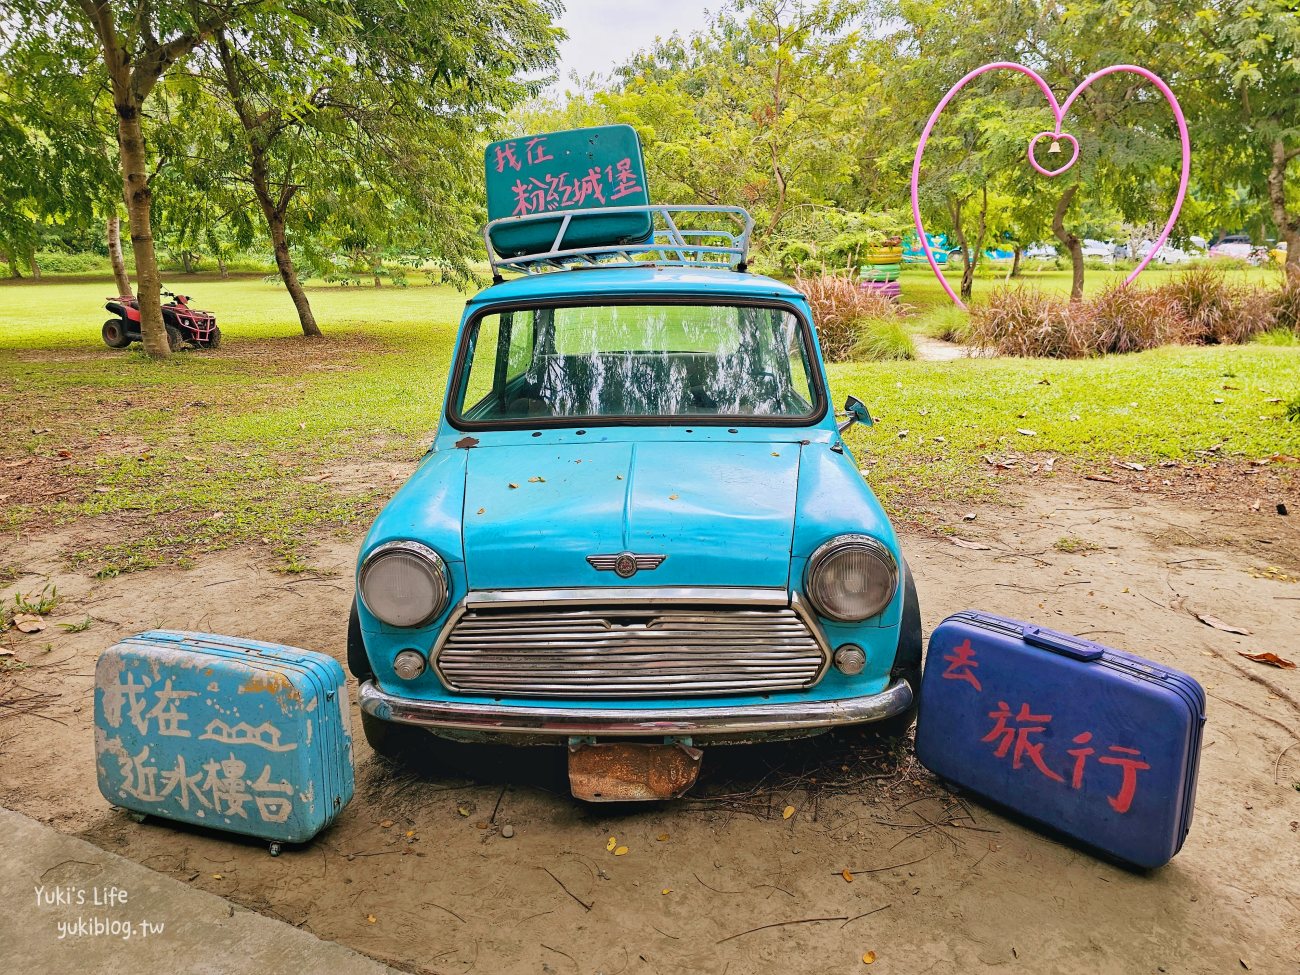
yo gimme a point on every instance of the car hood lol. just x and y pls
(721, 514)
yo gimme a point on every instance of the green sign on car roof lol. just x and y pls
(578, 169)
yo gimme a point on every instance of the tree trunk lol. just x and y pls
(1069, 241)
(289, 274)
(1015, 261)
(375, 275)
(115, 256)
(1287, 223)
(138, 196)
(36, 268)
(221, 266)
(12, 261)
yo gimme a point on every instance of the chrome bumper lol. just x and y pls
(562, 722)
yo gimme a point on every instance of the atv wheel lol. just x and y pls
(175, 340)
(214, 338)
(114, 334)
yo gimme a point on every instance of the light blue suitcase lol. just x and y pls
(218, 731)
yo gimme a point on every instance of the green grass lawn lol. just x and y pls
(211, 449)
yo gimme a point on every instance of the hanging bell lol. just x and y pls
(1054, 147)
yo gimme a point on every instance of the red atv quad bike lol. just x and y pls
(183, 323)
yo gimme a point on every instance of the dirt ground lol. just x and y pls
(418, 873)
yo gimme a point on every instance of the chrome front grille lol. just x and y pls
(628, 651)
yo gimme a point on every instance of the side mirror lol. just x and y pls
(855, 411)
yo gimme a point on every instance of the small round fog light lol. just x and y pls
(850, 659)
(409, 664)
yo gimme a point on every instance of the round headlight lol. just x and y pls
(403, 583)
(851, 578)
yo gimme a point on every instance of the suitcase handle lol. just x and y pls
(1070, 646)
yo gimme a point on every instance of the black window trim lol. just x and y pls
(816, 379)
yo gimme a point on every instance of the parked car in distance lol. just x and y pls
(1168, 254)
(638, 530)
(1235, 246)
(1099, 250)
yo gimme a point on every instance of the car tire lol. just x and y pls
(175, 340)
(393, 741)
(115, 335)
(358, 662)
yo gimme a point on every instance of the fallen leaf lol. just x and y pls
(1218, 624)
(847, 874)
(1132, 466)
(28, 623)
(1218, 400)
(787, 812)
(1100, 477)
(370, 919)
(103, 490)
(1026, 433)
(672, 497)
(666, 890)
(410, 833)
(481, 510)
(537, 480)
(385, 823)
(620, 851)
(613, 842)
(1272, 659)
(463, 811)
(969, 517)
(869, 958)
(974, 546)
(65, 454)
(465, 443)
(662, 837)
(216, 876)
(513, 487)
(775, 454)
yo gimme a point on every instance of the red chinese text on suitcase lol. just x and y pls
(1016, 735)
(1092, 742)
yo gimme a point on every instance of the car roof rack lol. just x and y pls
(681, 235)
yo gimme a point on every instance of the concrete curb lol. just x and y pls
(60, 911)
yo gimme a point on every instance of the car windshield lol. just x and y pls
(625, 361)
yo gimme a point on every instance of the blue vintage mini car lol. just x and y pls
(638, 529)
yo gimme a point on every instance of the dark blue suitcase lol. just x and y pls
(224, 732)
(1097, 744)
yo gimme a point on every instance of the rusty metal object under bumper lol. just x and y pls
(757, 720)
(623, 771)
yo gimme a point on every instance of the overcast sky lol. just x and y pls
(604, 34)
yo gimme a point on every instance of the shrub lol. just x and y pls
(838, 307)
(1218, 312)
(884, 339)
(1293, 410)
(1286, 306)
(1278, 336)
(1025, 322)
(949, 324)
(1125, 319)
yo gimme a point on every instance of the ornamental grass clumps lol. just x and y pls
(846, 314)
(1198, 307)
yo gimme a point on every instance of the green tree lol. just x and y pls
(369, 117)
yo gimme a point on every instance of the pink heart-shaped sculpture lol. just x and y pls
(1058, 111)
(1055, 137)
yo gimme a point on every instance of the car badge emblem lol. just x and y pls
(625, 564)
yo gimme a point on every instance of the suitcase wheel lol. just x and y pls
(274, 849)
